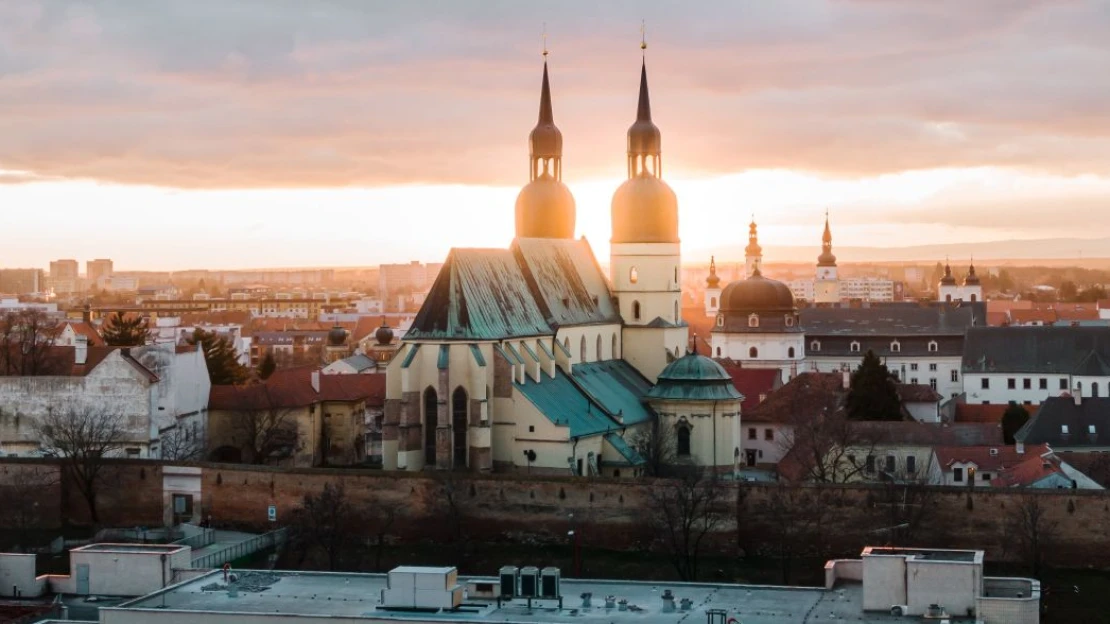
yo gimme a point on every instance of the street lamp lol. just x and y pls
(576, 538)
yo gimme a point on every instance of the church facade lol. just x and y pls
(532, 359)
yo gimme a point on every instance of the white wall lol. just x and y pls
(999, 391)
(767, 451)
(17, 576)
(772, 350)
(122, 572)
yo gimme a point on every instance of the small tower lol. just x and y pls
(336, 348)
(753, 253)
(826, 287)
(712, 290)
(973, 289)
(948, 290)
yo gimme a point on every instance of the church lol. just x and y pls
(530, 358)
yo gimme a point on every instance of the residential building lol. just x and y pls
(96, 270)
(978, 466)
(1069, 423)
(65, 278)
(357, 364)
(1029, 365)
(22, 281)
(308, 418)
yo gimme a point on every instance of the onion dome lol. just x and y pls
(644, 209)
(713, 281)
(384, 334)
(337, 337)
(826, 259)
(753, 248)
(972, 279)
(545, 207)
(948, 279)
(757, 294)
(694, 377)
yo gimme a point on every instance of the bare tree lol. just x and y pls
(267, 434)
(453, 512)
(82, 438)
(830, 448)
(793, 515)
(684, 512)
(328, 523)
(27, 339)
(656, 443)
(1029, 532)
(179, 443)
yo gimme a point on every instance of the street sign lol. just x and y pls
(271, 513)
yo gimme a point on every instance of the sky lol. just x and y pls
(263, 133)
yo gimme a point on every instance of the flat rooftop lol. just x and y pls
(359, 595)
(131, 548)
(927, 554)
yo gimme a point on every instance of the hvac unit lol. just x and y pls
(549, 583)
(530, 582)
(509, 581)
(899, 610)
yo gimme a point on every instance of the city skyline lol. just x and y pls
(355, 136)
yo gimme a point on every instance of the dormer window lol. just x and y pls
(854, 347)
(753, 320)
(815, 345)
(789, 320)
(1064, 430)
(895, 347)
(932, 346)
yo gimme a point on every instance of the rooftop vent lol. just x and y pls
(994, 452)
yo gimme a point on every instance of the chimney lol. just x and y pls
(1077, 396)
(847, 378)
(80, 350)
(316, 381)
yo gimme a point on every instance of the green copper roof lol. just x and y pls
(476, 351)
(411, 355)
(630, 455)
(618, 387)
(599, 397)
(695, 378)
(565, 405)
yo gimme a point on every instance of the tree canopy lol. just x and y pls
(220, 356)
(873, 394)
(125, 330)
(1013, 419)
(267, 367)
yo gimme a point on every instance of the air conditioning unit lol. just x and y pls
(509, 581)
(899, 610)
(530, 582)
(549, 582)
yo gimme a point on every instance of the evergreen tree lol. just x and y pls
(873, 394)
(267, 367)
(130, 330)
(220, 356)
(1013, 419)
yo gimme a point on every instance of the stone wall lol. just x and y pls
(829, 521)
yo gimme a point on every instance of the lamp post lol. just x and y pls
(575, 536)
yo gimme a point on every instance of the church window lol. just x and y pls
(974, 298)
(676, 276)
(613, 352)
(895, 347)
(933, 346)
(753, 320)
(789, 320)
(720, 320)
(854, 347)
(753, 352)
(712, 302)
(1094, 388)
(815, 345)
(600, 356)
(948, 298)
(718, 352)
(633, 275)
(635, 310)
(676, 317)
(790, 353)
(582, 350)
(431, 405)
(683, 441)
(459, 424)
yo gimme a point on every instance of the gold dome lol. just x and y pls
(545, 209)
(645, 210)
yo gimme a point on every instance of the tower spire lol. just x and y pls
(826, 259)
(644, 139)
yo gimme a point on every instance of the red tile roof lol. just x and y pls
(754, 383)
(976, 413)
(1077, 314)
(81, 328)
(292, 387)
(1018, 317)
(1028, 472)
(991, 458)
(918, 393)
(805, 396)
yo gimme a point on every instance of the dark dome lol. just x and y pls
(545, 209)
(546, 141)
(644, 137)
(337, 337)
(972, 279)
(384, 335)
(645, 210)
(948, 279)
(826, 258)
(755, 294)
(694, 378)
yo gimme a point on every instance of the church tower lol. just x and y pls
(545, 206)
(753, 253)
(712, 290)
(645, 250)
(826, 288)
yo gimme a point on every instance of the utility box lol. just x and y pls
(549, 583)
(530, 582)
(509, 581)
(415, 587)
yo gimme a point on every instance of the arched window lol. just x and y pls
(720, 320)
(600, 355)
(790, 353)
(895, 347)
(948, 298)
(1094, 388)
(635, 310)
(676, 276)
(613, 351)
(683, 434)
(789, 320)
(676, 313)
(753, 352)
(712, 302)
(459, 424)
(854, 347)
(718, 352)
(582, 350)
(753, 320)
(933, 346)
(815, 345)
(431, 406)
(633, 275)
(974, 298)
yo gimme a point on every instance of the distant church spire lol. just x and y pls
(645, 144)
(713, 281)
(826, 258)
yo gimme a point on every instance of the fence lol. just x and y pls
(206, 537)
(240, 549)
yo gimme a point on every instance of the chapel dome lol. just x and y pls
(384, 334)
(755, 294)
(337, 337)
(694, 377)
(545, 209)
(645, 210)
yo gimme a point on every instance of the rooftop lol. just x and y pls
(358, 596)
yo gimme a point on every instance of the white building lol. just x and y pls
(948, 290)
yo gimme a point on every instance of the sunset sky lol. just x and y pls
(212, 133)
